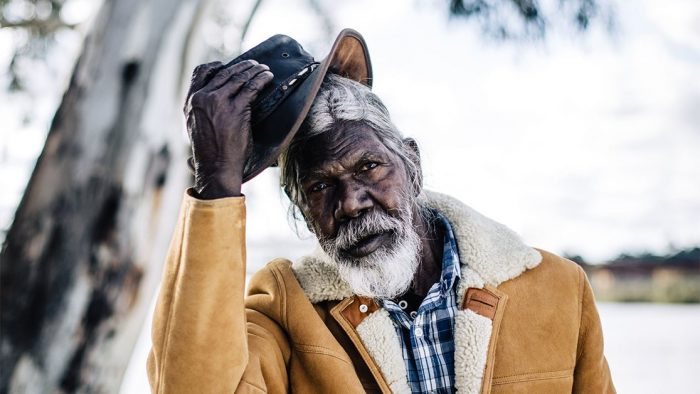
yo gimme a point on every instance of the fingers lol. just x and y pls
(202, 74)
(239, 68)
(246, 86)
(211, 78)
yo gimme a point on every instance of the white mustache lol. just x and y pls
(389, 270)
(371, 223)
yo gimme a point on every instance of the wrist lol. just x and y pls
(213, 189)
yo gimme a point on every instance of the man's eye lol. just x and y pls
(368, 166)
(319, 186)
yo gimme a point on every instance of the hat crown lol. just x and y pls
(285, 57)
(280, 108)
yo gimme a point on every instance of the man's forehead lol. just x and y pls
(348, 141)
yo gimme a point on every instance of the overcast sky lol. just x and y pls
(582, 144)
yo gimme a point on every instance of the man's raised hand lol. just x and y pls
(217, 110)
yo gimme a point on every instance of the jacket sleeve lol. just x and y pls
(592, 374)
(202, 339)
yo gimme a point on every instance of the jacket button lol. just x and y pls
(363, 308)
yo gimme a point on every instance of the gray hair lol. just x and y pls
(342, 100)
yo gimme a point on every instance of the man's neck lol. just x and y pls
(430, 263)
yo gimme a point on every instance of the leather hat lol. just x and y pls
(281, 107)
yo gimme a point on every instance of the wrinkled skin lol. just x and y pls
(345, 173)
(218, 116)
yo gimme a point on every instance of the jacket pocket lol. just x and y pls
(536, 382)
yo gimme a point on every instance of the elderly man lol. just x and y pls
(409, 291)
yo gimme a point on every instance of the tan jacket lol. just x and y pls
(527, 321)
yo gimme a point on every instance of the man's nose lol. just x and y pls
(353, 201)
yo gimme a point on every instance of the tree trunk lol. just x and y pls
(83, 257)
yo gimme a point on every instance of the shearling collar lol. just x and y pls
(490, 253)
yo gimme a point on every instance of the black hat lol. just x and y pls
(281, 107)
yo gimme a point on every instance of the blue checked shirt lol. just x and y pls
(427, 339)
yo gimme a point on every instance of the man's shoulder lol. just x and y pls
(296, 282)
(273, 288)
(554, 275)
(558, 265)
(274, 275)
(547, 298)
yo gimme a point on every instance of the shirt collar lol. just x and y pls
(450, 257)
(451, 269)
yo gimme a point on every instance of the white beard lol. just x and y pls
(387, 272)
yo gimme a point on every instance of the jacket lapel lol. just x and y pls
(477, 325)
(373, 334)
(490, 254)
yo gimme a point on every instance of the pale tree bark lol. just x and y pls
(83, 257)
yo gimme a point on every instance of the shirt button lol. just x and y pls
(403, 304)
(418, 332)
(414, 314)
(363, 308)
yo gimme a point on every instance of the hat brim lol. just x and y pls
(348, 58)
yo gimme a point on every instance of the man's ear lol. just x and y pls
(411, 147)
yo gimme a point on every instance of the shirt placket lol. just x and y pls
(428, 365)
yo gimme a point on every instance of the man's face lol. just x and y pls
(360, 204)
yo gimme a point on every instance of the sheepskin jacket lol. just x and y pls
(527, 320)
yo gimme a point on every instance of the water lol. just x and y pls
(651, 348)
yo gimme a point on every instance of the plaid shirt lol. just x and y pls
(427, 339)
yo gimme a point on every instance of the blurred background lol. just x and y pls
(574, 122)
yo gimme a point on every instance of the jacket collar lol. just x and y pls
(489, 252)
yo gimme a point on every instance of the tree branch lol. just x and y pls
(44, 26)
(248, 21)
